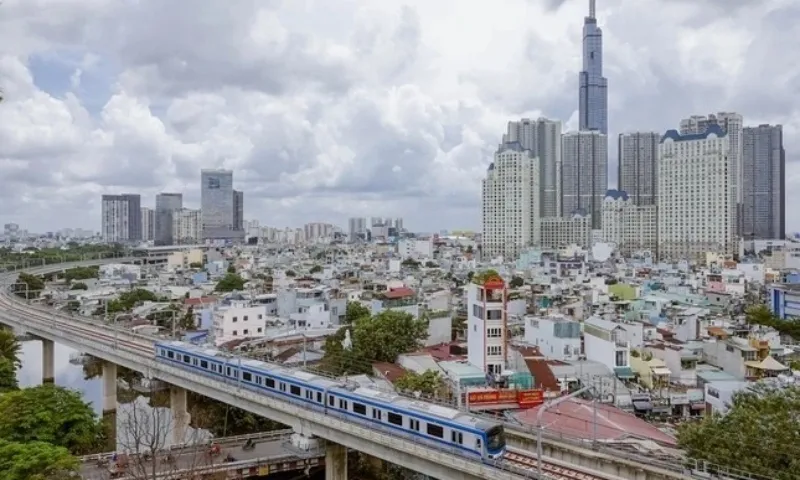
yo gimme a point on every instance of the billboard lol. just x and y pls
(523, 398)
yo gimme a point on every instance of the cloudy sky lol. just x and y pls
(333, 108)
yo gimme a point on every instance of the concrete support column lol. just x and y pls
(180, 416)
(335, 462)
(48, 361)
(110, 405)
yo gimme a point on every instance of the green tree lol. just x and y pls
(762, 315)
(470, 275)
(469, 249)
(427, 383)
(355, 310)
(10, 347)
(79, 286)
(516, 282)
(430, 264)
(128, 300)
(29, 285)
(36, 461)
(8, 376)
(231, 269)
(410, 263)
(315, 269)
(81, 273)
(52, 414)
(379, 338)
(291, 273)
(760, 433)
(230, 282)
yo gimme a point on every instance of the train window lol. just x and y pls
(309, 395)
(343, 404)
(228, 370)
(269, 382)
(376, 414)
(359, 408)
(258, 380)
(319, 397)
(435, 430)
(457, 437)
(170, 354)
(295, 390)
(395, 418)
(283, 387)
(186, 359)
(247, 377)
(203, 364)
(330, 400)
(414, 424)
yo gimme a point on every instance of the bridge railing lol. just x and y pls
(197, 447)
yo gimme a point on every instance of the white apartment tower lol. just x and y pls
(584, 174)
(148, 225)
(733, 125)
(697, 208)
(543, 138)
(630, 227)
(357, 229)
(511, 202)
(121, 217)
(487, 323)
(187, 226)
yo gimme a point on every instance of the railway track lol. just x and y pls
(528, 463)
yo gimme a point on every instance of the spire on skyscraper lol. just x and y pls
(592, 93)
(591, 9)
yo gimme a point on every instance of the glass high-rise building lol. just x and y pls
(638, 166)
(593, 86)
(763, 183)
(121, 217)
(238, 210)
(166, 206)
(584, 174)
(217, 205)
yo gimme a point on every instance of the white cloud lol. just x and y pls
(330, 109)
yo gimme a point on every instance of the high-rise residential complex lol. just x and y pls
(732, 124)
(511, 202)
(166, 205)
(763, 183)
(186, 226)
(121, 217)
(543, 138)
(238, 210)
(593, 89)
(638, 166)
(584, 174)
(217, 205)
(357, 229)
(696, 195)
(148, 225)
(629, 227)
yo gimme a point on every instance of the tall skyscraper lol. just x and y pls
(148, 225)
(732, 124)
(543, 138)
(696, 195)
(763, 183)
(584, 174)
(593, 89)
(638, 166)
(357, 229)
(217, 205)
(511, 202)
(186, 228)
(238, 210)
(166, 205)
(121, 218)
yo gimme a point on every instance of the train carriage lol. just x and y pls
(434, 425)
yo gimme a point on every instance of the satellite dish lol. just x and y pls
(601, 251)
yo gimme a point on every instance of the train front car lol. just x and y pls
(495, 442)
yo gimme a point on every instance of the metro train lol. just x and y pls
(433, 425)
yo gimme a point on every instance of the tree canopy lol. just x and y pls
(516, 282)
(759, 434)
(80, 273)
(79, 286)
(128, 300)
(8, 376)
(355, 310)
(36, 461)
(51, 414)
(762, 315)
(315, 269)
(230, 282)
(29, 285)
(10, 347)
(427, 383)
(378, 338)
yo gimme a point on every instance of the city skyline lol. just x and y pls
(357, 133)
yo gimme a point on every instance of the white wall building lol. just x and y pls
(148, 225)
(511, 202)
(607, 343)
(559, 232)
(487, 325)
(697, 210)
(239, 320)
(630, 228)
(557, 337)
(415, 248)
(187, 226)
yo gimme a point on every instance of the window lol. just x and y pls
(621, 359)
(259, 330)
(376, 414)
(294, 390)
(247, 377)
(457, 437)
(343, 404)
(269, 382)
(235, 332)
(260, 316)
(359, 408)
(187, 359)
(494, 350)
(170, 355)
(435, 430)
(244, 319)
(235, 319)
(282, 387)
(319, 397)
(203, 364)
(494, 332)
(244, 332)
(330, 400)
(414, 424)
(395, 419)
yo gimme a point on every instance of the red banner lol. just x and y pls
(530, 398)
(494, 283)
(524, 398)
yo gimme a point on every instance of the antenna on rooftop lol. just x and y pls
(592, 8)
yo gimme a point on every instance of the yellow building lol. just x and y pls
(652, 372)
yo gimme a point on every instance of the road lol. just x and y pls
(192, 458)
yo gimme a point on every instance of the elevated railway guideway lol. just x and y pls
(135, 351)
